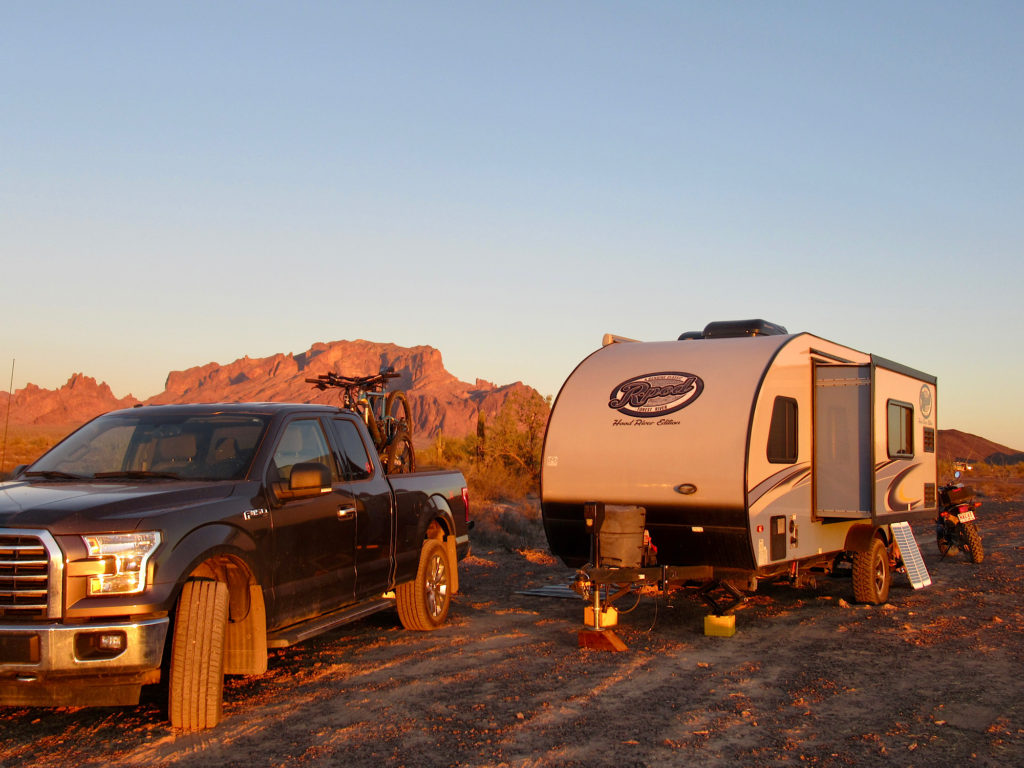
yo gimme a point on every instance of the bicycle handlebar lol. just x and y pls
(377, 381)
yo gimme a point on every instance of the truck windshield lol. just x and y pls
(143, 445)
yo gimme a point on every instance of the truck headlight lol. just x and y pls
(125, 556)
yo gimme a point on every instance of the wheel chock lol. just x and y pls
(601, 640)
(720, 626)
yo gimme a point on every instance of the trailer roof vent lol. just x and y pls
(730, 329)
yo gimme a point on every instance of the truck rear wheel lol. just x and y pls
(423, 604)
(871, 574)
(197, 655)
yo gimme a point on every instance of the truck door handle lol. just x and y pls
(344, 513)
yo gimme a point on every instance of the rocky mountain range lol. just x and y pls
(439, 401)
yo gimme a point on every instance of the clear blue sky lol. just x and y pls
(190, 182)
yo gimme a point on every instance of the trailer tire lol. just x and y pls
(195, 700)
(872, 574)
(975, 550)
(423, 604)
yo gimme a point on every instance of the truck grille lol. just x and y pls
(24, 577)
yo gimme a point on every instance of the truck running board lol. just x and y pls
(296, 633)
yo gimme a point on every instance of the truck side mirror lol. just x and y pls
(307, 479)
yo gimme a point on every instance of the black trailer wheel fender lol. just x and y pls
(859, 537)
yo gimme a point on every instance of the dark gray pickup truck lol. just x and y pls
(189, 539)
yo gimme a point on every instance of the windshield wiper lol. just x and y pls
(56, 474)
(137, 474)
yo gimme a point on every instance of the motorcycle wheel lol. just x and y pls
(972, 543)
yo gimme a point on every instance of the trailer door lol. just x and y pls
(842, 441)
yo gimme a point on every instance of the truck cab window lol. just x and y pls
(782, 434)
(354, 460)
(303, 441)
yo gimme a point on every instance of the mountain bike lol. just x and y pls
(387, 415)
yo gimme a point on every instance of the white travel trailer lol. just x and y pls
(738, 454)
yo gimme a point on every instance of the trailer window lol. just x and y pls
(901, 430)
(782, 435)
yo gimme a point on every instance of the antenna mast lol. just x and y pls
(7, 420)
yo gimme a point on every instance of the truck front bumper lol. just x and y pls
(80, 664)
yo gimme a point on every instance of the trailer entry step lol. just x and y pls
(912, 560)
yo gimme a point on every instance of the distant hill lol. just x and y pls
(439, 401)
(954, 444)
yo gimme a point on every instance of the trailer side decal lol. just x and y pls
(789, 477)
(655, 394)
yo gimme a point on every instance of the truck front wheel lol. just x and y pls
(871, 573)
(197, 655)
(423, 604)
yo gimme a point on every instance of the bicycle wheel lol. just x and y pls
(399, 456)
(396, 408)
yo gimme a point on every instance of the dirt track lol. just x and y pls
(931, 679)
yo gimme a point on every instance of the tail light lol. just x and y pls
(465, 502)
(963, 508)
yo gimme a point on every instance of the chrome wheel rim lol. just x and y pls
(437, 586)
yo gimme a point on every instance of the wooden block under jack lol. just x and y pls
(601, 640)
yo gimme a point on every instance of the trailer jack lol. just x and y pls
(728, 598)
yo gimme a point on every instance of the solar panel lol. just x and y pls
(912, 560)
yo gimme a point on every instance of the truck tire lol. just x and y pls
(400, 456)
(423, 604)
(975, 551)
(197, 656)
(871, 574)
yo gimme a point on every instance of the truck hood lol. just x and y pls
(96, 506)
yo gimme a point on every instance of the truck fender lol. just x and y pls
(859, 537)
(224, 553)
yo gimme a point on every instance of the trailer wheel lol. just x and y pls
(423, 604)
(197, 656)
(975, 551)
(871, 574)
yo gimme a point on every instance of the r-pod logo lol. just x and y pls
(655, 394)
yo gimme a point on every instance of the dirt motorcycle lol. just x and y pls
(956, 527)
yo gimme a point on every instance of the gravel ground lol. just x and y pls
(929, 679)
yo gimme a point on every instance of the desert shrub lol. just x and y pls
(501, 462)
(509, 526)
(23, 446)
